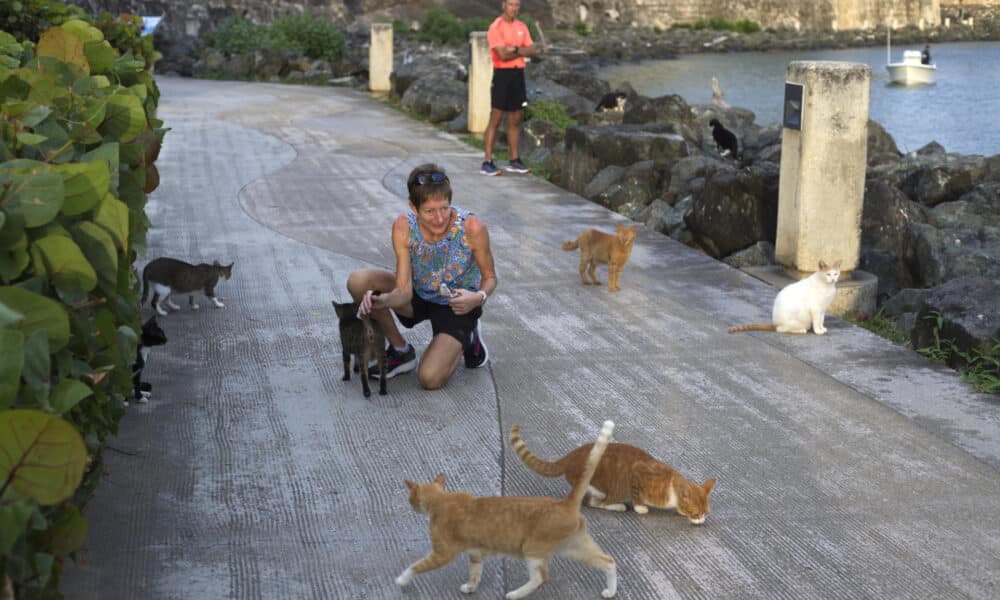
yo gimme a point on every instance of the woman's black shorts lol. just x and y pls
(508, 92)
(443, 319)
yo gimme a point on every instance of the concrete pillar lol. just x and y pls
(380, 58)
(822, 182)
(480, 80)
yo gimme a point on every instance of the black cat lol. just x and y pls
(151, 335)
(363, 339)
(725, 140)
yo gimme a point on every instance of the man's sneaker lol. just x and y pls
(396, 362)
(476, 355)
(516, 166)
(490, 168)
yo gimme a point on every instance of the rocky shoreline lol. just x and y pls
(931, 221)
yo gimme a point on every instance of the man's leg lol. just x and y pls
(496, 115)
(514, 133)
(439, 361)
(362, 280)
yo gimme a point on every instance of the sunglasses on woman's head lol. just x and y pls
(435, 177)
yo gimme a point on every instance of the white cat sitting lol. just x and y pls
(801, 304)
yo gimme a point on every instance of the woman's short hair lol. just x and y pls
(426, 181)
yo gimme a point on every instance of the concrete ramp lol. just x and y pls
(847, 467)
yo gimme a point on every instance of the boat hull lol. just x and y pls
(904, 74)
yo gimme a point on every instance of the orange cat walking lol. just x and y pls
(525, 527)
(599, 248)
(625, 472)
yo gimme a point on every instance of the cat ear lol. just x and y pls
(410, 485)
(836, 264)
(439, 479)
(822, 265)
(708, 485)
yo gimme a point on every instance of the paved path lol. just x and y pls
(846, 467)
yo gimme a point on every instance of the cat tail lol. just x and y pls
(754, 327)
(571, 245)
(538, 465)
(580, 489)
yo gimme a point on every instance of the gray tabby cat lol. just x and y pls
(363, 339)
(169, 275)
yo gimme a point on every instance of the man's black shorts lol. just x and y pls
(508, 91)
(443, 319)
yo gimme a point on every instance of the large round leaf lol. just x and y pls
(64, 45)
(125, 118)
(68, 394)
(41, 455)
(11, 363)
(62, 260)
(100, 56)
(99, 249)
(85, 185)
(40, 312)
(37, 192)
(14, 259)
(112, 215)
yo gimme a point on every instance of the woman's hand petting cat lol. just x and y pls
(465, 301)
(370, 303)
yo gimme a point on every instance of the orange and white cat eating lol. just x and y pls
(526, 527)
(625, 473)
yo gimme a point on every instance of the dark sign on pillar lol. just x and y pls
(793, 106)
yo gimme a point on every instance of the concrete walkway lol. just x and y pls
(846, 467)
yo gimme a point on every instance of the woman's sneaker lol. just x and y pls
(476, 355)
(396, 362)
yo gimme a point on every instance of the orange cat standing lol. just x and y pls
(625, 472)
(526, 527)
(599, 248)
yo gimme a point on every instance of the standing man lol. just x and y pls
(444, 274)
(510, 42)
(925, 56)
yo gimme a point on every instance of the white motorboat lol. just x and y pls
(911, 71)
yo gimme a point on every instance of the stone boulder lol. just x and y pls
(625, 190)
(577, 107)
(572, 70)
(758, 255)
(886, 220)
(904, 306)
(436, 98)
(969, 309)
(670, 109)
(934, 178)
(881, 146)
(684, 171)
(960, 238)
(736, 209)
(589, 149)
(438, 66)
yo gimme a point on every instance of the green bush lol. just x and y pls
(581, 28)
(442, 27)
(236, 35)
(722, 24)
(78, 143)
(551, 111)
(307, 36)
(26, 19)
(399, 27)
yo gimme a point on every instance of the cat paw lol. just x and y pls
(161, 312)
(615, 507)
(142, 400)
(467, 588)
(404, 578)
(195, 307)
(146, 394)
(819, 331)
(606, 593)
(641, 509)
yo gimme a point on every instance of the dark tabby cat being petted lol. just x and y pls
(363, 339)
(151, 335)
(524, 527)
(625, 472)
(169, 275)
